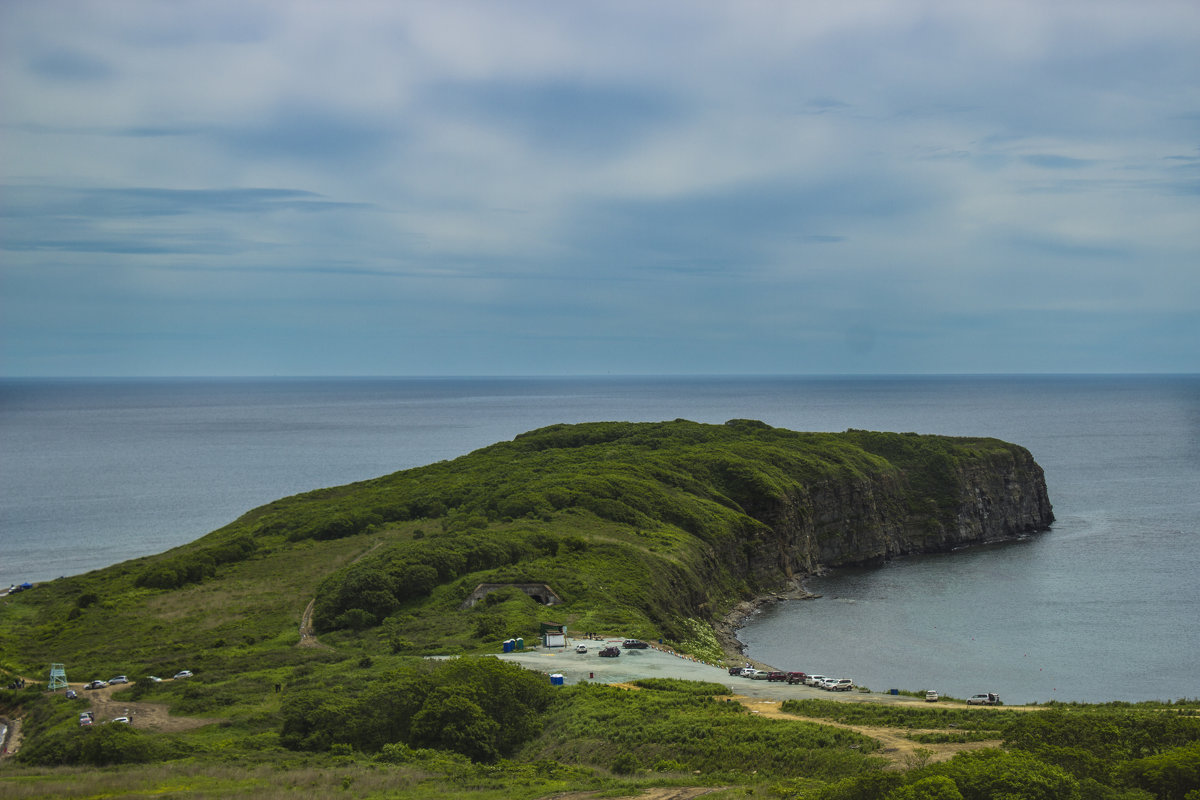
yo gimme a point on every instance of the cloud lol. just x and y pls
(623, 183)
(559, 115)
(71, 65)
(1047, 161)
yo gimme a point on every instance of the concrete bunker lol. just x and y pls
(540, 592)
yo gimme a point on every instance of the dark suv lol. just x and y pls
(610, 652)
(635, 644)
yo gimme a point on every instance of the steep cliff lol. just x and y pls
(992, 497)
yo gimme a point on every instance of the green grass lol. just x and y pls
(648, 530)
(889, 715)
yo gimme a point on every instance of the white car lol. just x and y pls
(842, 685)
(828, 683)
(581, 648)
(989, 699)
(183, 673)
(814, 680)
(749, 672)
(118, 679)
(931, 696)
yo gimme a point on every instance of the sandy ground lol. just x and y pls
(148, 716)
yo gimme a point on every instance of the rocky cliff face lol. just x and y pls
(995, 497)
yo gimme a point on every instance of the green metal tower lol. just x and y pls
(58, 677)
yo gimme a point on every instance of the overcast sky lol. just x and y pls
(483, 188)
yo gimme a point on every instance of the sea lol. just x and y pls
(1104, 606)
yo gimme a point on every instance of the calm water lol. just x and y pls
(1105, 606)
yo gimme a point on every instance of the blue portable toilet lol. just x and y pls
(508, 645)
(556, 679)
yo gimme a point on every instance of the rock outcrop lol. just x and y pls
(994, 497)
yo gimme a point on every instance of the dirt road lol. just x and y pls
(147, 716)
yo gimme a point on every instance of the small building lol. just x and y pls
(553, 634)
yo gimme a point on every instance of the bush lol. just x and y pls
(98, 746)
(482, 708)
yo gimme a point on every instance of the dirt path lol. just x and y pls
(662, 793)
(146, 716)
(12, 737)
(308, 637)
(901, 751)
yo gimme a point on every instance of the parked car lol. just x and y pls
(95, 685)
(814, 680)
(796, 677)
(842, 685)
(154, 679)
(86, 718)
(118, 679)
(610, 652)
(931, 696)
(635, 644)
(735, 670)
(183, 673)
(749, 672)
(828, 683)
(988, 699)
(581, 648)
(777, 676)
(125, 720)
(72, 694)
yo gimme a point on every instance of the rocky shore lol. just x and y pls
(727, 627)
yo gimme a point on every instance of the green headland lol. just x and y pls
(308, 625)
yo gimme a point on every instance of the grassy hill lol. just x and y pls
(640, 529)
(647, 530)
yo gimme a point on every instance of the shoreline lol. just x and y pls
(727, 627)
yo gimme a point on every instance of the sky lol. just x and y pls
(553, 188)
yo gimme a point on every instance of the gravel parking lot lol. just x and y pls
(653, 663)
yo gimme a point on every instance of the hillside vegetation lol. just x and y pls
(646, 530)
(639, 529)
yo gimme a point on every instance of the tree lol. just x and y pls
(450, 719)
(1173, 775)
(1013, 775)
(935, 787)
